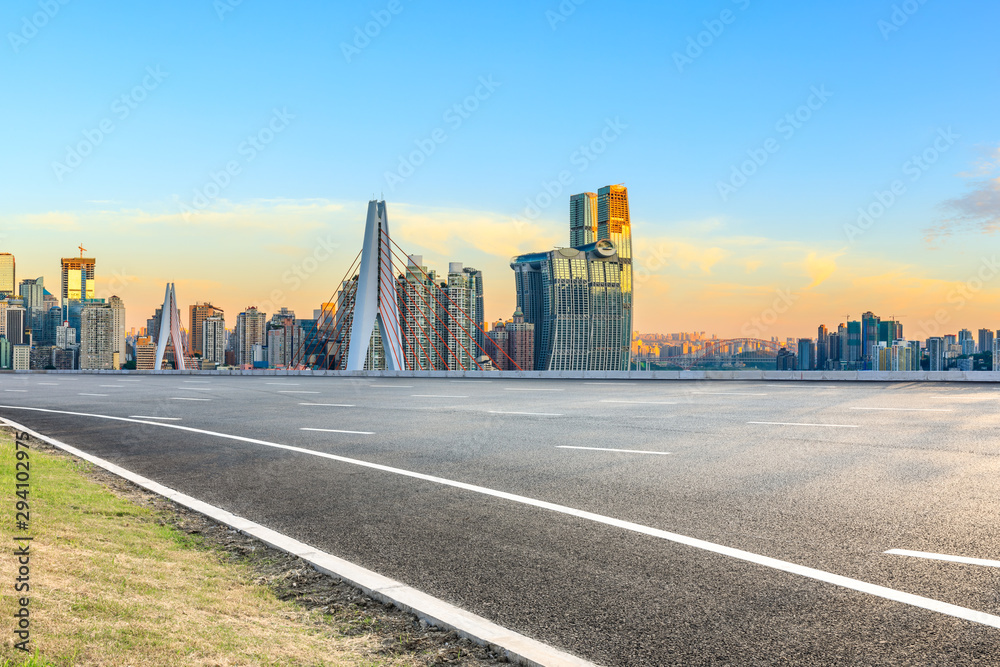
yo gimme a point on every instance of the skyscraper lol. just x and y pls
(574, 297)
(614, 223)
(8, 275)
(967, 342)
(806, 354)
(213, 339)
(582, 219)
(456, 323)
(118, 350)
(77, 278)
(200, 312)
(249, 332)
(32, 293)
(935, 353)
(97, 333)
(986, 340)
(822, 347)
(16, 328)
(417, 290)
(474, 277)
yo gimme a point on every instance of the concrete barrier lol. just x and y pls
(720, 375)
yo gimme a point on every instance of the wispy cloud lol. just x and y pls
(978, 210)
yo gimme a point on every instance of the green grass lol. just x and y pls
(111, 585)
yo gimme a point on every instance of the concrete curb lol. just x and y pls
(518, 648)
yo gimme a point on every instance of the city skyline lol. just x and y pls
(842, 179)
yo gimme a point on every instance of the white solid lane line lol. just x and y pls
(796, 424)
(724, 393)
(17, 391)
(603, 449)
(334, 430)
(481, 630)
(49, 384)
(884, 592)
(534, 414)
(909, 409)
(951, 559)
(169, 419)
(328, 405)
(434, 396)
(282, 384)
(530, 389)
(641, 402)
(111, 386)
(392, 386)
(189, 399)
(85, 394)
(293, 391)
(196, 388)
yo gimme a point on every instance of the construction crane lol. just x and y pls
(82, 250)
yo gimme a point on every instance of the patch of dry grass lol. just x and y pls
(110, 586)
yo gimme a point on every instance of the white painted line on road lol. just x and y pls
(472, 381)
(530, 389)
(111, 386)
(909, 409)
(282, 384)
(724, 393)
(333, 430)
(189, 399)
(80, 394)
(169, 419)
(17, 391)
(434, 396)
(197, 388)
(796, 424)
(641, 402)
(919, 601)
(533, 414)
(616, 384)
(49, 384)
(328, 405)
(196, 381)
(130, 380)
(392, 386)
(603, 449)
(293, 391)
(951, 559)
(437, 612)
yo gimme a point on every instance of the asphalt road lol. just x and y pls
(826, 477)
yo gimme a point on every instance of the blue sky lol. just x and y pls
(557, 75)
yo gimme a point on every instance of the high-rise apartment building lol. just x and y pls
(8, 275)
(16, 325)
(995, 349)
(986, 338)
(935, 353)
(198, 313)
(967, 342)
(284, 342)
(520, 343)
(823, 355)
(77, 279)
(97, 337)
(250, 331)
(213, 339)
(145, 353)
(21, 357)
(459, 313)
(118, 349)
(422, 347)
(583, 219)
